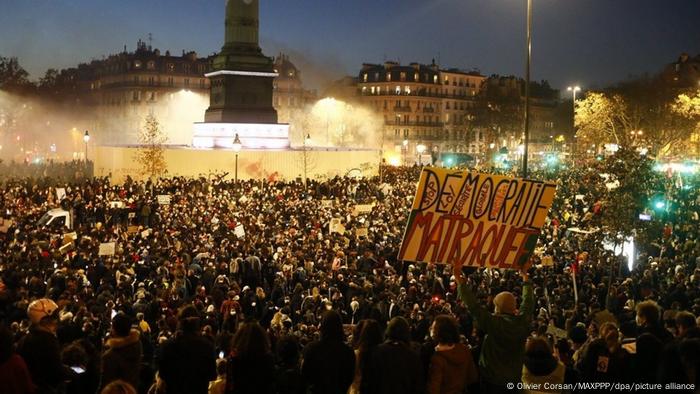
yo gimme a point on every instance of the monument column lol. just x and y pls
(242, 76)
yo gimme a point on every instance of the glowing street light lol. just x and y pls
(527, 86)
(236, 148)
(86, 139)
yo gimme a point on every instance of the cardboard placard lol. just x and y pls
(475, 219)
(5, 225)
(164, 199)
(361, 232)
(362, 208)
(60, 193)
(239, 231)
(335, 226)
(107, 249)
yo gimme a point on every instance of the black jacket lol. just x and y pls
(329, 367)
(42, 353)
(122, 359)
(395, 368)
(187, 363)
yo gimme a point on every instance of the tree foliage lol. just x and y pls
(636, 183)
(13, 77)
(688, 106)
(640, 113)
(151, 154)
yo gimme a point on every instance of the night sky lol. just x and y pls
(590, 42)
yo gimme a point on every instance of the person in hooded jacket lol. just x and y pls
(452, 367)
(122, 356)
(541, 366)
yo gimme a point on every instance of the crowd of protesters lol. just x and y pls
(228, 287)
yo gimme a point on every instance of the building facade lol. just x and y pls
(289, 95)
(424, 109)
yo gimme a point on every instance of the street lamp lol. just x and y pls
(237, 148)
(405, 151)
(86, 138)
(420, 148)
(573, 90)
(527, 86)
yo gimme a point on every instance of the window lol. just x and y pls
(151, 81)
(364, 78)
(386, 103)
(388, 77)
(435, 79)
(407, 89)
(151, 65)
(416, 77)
(405, 133)
(447, 80)
(136, 95)
(372, 89)
(402, 76)
(171, 67)
(364, 89)
(187, 82)
(171, 82)
(151, 96)
(398, 90)
(137, 64)
(202, 83)
(136, 79)
(447, 105)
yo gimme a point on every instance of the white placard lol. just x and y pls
(164, 199)
(60, 193)
(239, 231)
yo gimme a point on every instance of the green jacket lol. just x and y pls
(503, 350)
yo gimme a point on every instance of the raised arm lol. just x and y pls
(527, 306)
(464, 291)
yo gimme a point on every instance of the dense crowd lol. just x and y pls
(227, 287)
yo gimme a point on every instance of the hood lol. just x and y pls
(457, 355)
(120, 342)
(540, 364)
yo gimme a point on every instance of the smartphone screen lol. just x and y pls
(78, 369)
(221, 354)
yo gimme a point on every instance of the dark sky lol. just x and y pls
(590, 42)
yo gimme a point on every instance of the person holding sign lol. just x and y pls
(503, 350)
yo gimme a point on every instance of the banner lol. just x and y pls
(475, 219)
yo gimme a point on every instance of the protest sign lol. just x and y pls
(556, 332)
(361, 232)
(5, 225)
(132, 229)
(547, 261)
(60, 193)
(326, 203)
(362, 208)
(475, 219)
(107, 249)
(163, 199)
(335, 226)
(239, 231)
(69, 237)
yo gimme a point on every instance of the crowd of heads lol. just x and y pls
(253, 267)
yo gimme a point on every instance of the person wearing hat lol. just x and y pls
(40, 348)
(122, 356)
(187, 362)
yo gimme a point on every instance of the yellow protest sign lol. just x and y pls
(475, 219)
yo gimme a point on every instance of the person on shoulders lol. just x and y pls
(503, 348)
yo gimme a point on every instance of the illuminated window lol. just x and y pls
(398, 90)
(388, 77)
(364, 78)
(171, 67)
(416, 77)
(376, 76)
(372, 89)
(407, 89)
(151, 81)
(137, 64)
(364, 89)
(402, 76)
(435, 79)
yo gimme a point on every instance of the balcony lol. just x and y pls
(402, 109)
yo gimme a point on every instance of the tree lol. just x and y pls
(151, 154)
(13, 77)
(49, 81)
(636, 183)
(601, 118)
(688, 106)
